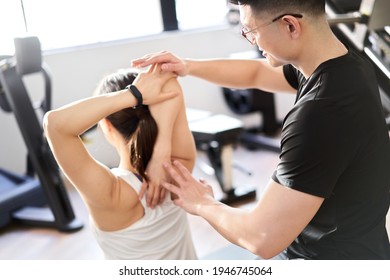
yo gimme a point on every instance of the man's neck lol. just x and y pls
(323, 48)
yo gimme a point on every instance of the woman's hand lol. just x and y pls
(150, 84)
(155, 193)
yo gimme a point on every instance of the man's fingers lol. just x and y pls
(139, 62)
(183, 170)
(203, 181)
(150, 59)
(173, 173)
(169, 67)
(153, 68)
(172, 188)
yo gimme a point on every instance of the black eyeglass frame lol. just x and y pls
(251, 39)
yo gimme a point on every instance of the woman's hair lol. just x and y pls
(137, 126)
(313, 7)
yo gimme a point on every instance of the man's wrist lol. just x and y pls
(187, 66)
(208, 207)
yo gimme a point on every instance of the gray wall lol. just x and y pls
(75, 73)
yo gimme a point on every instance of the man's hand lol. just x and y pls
(150, 84)
(191, 194)
(168, 61)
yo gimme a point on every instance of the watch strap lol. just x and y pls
(137, 94)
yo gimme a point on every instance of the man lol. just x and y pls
(329, 195)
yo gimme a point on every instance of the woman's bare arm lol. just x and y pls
(174, 141)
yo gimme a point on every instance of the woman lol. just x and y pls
(144, 137)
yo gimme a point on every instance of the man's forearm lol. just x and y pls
(232, 223)
(225, 72)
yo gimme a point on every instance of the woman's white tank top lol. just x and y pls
(162, 233)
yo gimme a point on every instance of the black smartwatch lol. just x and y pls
(137, 94)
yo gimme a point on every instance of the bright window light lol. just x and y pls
(69, 23)
(200, 13)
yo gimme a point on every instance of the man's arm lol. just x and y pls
(278, 218)
(232, 73)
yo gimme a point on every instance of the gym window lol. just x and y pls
(69, 23)
(200, 13)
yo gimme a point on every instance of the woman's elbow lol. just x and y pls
(49, 123)
(192, 156)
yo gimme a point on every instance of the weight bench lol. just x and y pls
(216, 134)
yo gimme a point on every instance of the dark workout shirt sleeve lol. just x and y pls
(312, 157)
(335, 145)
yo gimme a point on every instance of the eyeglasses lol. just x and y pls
(247, 34)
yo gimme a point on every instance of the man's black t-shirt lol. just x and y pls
(335, 145)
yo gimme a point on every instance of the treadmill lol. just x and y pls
(38, 197)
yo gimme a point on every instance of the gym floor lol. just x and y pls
(26, 243)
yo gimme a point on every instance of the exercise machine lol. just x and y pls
(247, 101)
(217, 135)
(365, 26)
(38, 197)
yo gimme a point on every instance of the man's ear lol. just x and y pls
(293, 26)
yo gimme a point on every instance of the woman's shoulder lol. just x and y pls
(129, 177)
(125, 207)
(127, 188)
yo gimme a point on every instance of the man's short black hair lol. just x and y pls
(313, 7)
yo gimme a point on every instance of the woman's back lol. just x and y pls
(144, 137)
(162, 233)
